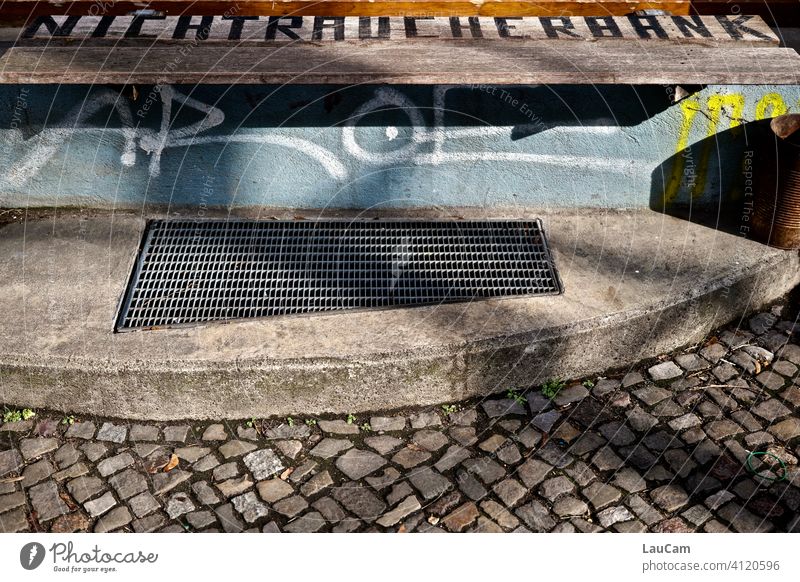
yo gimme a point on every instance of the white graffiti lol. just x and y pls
(426, 145)
(388, 98)
(47, 142)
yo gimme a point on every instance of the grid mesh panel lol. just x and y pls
(201, 271)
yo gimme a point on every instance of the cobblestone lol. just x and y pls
(692, 362)
(601, 495)
(249, 506)
(409, 458)
(660, 449)
(37, 472)
(176, 434)
(357, 463)
(430, 440)
(470, 486)
(360, 501)
(46, 501)
(263, 463)
(664, 371)
(338, 427)
(111, 432)
(613, 515)
(387, 423)
(36, 447)
(461, 517)
(143, 432)
(670, 497)
(215, 432)
(114, 464)
(113, 520)
(771, 410)
(66, 456)
(81, 430)
(99, 506)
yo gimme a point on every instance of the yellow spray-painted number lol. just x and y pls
(770, 105)
(694, 175)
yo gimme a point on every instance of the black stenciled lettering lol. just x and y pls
(102, 27)
(237, 24)
(135, 28)
(365, 27)
(644, 25)
(553, 30)
(52, 26)
(504, 28)
(473, 25)
(608, 29)
(737, 29)
(321, 23)
(277, 24)
(691, 26)
(185, 25)
(410, 23)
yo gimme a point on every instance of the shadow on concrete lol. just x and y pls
(713, 182)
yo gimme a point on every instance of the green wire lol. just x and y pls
(765, 477)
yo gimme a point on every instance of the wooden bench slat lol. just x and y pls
(783, 12)
(128, 30)
(423, 62)
(26, 8)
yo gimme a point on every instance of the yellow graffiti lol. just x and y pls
(733, 106)
(772, 102)
(693, 174)
(689, 108)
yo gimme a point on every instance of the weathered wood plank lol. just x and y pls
(27, 8)
(235, 30)
(422, 62)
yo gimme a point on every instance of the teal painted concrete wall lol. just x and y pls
(368, 146)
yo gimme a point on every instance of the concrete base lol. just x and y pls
(637, 284)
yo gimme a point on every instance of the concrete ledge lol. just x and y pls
(637, 284)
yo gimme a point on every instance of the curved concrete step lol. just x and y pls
(636, 284)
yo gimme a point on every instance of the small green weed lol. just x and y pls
(552, 387)
(516, 396)
(351, 418)
(311, 422)
(68, 420)
(14, 415)
(588, 384)
(366, 427)
(450, 408)
(289, 421)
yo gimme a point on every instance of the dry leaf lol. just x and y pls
(286, 473)
(68, 501)
(402, 528)
(155, 465)
(758, 368)
(135, 93)
(173, 462)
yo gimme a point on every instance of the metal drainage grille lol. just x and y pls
(201, 271)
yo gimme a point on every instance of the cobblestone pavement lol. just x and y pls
(662, 448)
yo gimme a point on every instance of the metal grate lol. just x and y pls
(191, 271)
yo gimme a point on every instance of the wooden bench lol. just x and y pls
(783, 12)
(231, 48)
